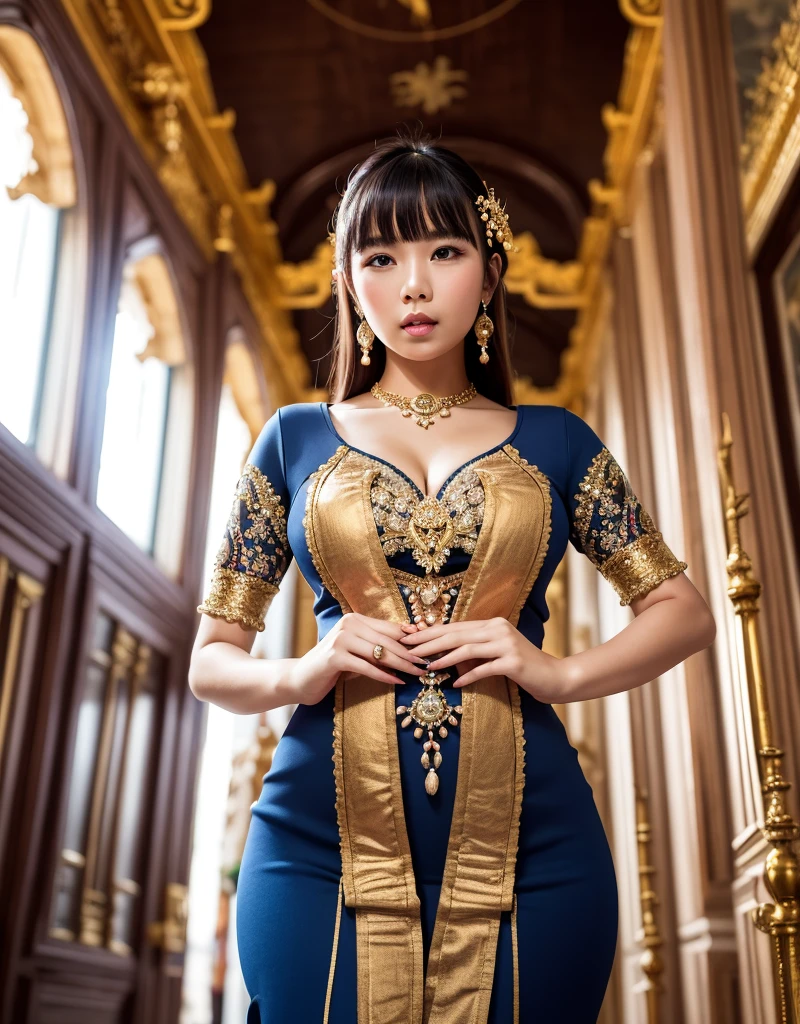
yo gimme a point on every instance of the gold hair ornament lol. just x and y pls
(496, 220)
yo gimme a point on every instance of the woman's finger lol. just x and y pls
(407, 657)
(445, 629)
(459, 654)
(360, 667)
(364, 648)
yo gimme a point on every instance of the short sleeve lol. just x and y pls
(608, 522)
(254, 554)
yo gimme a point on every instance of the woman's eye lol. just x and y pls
(442, 248)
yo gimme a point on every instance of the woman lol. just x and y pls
(451, 868)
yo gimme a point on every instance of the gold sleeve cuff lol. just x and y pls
(238, 597)
(634, 570)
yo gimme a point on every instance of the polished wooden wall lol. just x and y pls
(80, 602)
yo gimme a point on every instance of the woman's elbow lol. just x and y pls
(703, 624)
(195, 677)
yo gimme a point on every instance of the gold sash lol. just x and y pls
(377, 873)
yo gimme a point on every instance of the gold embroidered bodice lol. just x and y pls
(427, 526)
(607, 522)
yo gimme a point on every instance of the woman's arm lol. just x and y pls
(222, 671)
(671, 623)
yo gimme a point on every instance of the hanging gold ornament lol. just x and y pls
(430, 711)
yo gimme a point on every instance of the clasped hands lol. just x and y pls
(488, 647)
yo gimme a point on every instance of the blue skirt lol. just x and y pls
(565, 885)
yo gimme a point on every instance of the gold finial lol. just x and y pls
(497, 220)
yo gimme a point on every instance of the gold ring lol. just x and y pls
(377, 650)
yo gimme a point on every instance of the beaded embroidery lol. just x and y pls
(617, 534)
(254, 554)
(429, 527)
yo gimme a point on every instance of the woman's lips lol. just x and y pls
(417, 330)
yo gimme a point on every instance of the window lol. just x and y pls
(136, 414)
(145, 455)
(37, 184)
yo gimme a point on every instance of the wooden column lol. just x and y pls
(725, 369)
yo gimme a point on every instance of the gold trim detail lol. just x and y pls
(334, 950)
(515, 959)
(640, 566)
(238, 597)
(616, 532)
(316, 480)
(246, 577)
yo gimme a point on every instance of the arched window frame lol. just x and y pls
(59, 180)
(173, 344)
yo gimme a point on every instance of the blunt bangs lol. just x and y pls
(408, 199)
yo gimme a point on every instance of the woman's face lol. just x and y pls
(442, 278)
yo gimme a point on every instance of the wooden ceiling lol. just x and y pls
(516, 87)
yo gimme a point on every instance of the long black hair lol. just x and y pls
(389, 195)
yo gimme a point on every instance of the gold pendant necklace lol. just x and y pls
(424, 406)
(430, 711)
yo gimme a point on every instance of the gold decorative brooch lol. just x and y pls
(430, 711)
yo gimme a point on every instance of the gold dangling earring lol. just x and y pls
(365, 337)
(484, 329)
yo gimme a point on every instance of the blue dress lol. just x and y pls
(298, 939)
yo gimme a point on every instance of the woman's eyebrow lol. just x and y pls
(380, 242)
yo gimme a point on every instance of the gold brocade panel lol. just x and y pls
(377, 872)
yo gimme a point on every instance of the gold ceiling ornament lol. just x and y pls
(225, 242)
(158, 86)
(420, 35)
(421, 13)
(225, 120)
(543, 283)
(643, 13)
(185, 15)
(190, 145)
(430, 86)
(306, 285)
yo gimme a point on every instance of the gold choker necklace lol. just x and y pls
(424, 407)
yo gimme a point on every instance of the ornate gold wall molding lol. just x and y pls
(185, 15)
(770, 151)
(154, 69)
(628, 124)
(53, 182)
